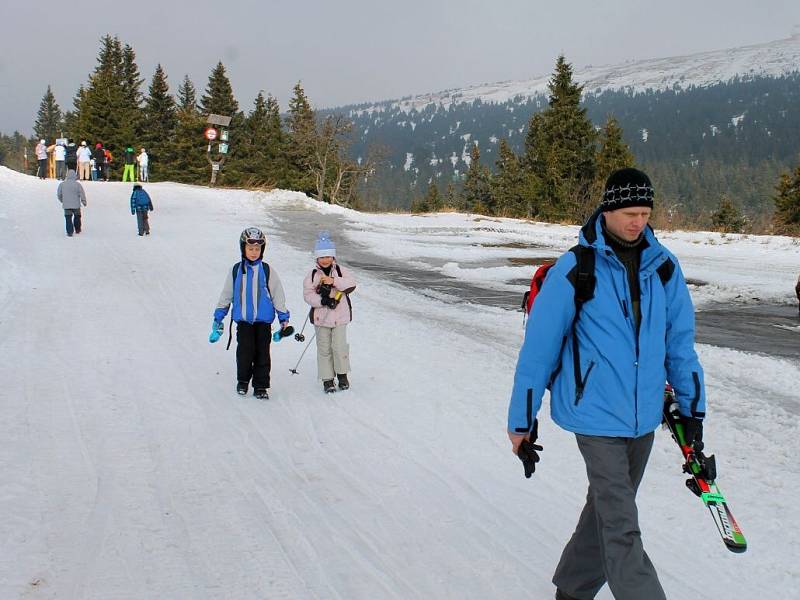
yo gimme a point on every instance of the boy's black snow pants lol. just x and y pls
(252, 353)
(607, 544)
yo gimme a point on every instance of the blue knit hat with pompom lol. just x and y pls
(324, 245)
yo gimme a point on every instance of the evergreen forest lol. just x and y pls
(723, 157)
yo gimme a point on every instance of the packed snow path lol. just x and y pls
(131, 469)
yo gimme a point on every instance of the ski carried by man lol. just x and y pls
(703, 472)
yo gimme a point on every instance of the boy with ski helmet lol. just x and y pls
(327, 290)
(256, 293)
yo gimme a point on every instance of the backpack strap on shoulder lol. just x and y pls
(666, 270)
(584, 282)
(584, 274)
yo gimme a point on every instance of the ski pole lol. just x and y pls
(299, 336)
(294, 371)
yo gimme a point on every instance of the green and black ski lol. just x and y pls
(703, 471)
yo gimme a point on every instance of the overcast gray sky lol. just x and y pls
(347, 51)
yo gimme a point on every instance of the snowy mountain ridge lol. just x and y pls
(770, 59)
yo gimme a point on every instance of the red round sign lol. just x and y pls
(211, 133)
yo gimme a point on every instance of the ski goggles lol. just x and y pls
(253, 242)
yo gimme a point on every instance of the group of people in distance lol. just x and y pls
(90, 165)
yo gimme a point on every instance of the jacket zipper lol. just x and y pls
(581, 385)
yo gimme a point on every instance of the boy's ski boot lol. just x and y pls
(328, 386)
(261, 394)
(344, 384)
(241, 388)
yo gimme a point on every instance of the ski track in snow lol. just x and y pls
(133, 470)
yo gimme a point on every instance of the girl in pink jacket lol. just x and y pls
(327, 290)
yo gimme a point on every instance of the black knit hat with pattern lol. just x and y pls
(626, 188)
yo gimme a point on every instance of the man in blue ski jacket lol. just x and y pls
(606, 371)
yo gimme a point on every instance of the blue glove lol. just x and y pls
(282, 333)
(216, 331)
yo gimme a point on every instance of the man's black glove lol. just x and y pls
(693, 433)
(527, 451)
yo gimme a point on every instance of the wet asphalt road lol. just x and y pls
(768, 329)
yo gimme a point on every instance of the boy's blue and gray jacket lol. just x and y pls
(140, 200)
(622, 376)
(256, 296)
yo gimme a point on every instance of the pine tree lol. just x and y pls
(612, 155)
(451, 199)
(48, 123)
(787, 204)
(277, 167)
(420, 205)
(477, 186)
(560, 150)
(74, 119)
(727, 218)
(159, 125)
(302, 133)
(219, 99)
(508, 183)
(189, 163)
(187, 96)
(433, 200)
(131, 116)
(253, 143)
(100, 112)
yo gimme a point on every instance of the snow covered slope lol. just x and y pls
(131, 469)
(706, 68)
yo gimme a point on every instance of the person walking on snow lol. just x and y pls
(255, 290)
(71, 155)
(60, 154)
(130, 165)
(606, 371)
(143, 161)
(84, 162)
(41, 157)
(327, 290)
(71, 195)
(99, 156)
(109, 159)
(141, 204)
